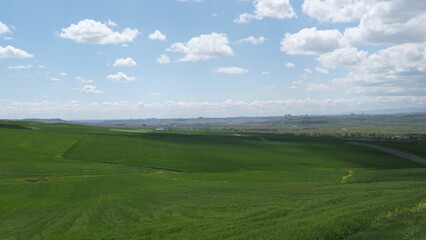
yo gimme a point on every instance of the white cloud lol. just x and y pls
(4, 28)
(120, 77)
(336, 11)
(397, 70)
(231, 70)
(204, 47)
(342, 57)
(307, 73)
(312, 87)
(125, 62)
(111, 23)
(63, 74)
(91, 31)
(390, 22)
(297, 84)
(319, 88)
(381, 22)
(20, 66)
(252, 40)
(266, 73)
(163, 59)
(308, 70)
(244, 18)
(83, 80)
(157, 35)
(279, 9)
(11, 52)
(41, 66)
(290, 65)
(54, 79)
(321, 70)
(89, 89)
(310, 41)
(228, 108)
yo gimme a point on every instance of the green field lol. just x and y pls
(60, 181)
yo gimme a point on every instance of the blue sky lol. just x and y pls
(211, 58)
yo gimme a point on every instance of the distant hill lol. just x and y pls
(401, 119)
(47, 120)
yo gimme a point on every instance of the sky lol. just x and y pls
(121, 59)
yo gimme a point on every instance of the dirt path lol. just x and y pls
(392, 151)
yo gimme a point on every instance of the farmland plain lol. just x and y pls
(63, 181)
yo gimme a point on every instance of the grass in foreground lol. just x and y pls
(105, 184)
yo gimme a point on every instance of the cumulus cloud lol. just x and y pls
(11, 52)
(157, 35)
(204, 47)
(396, 70)
(312, 87)
(4, 28)
(231, 70)
(63, 74)
(321, 70)
(319, 88)
(297, 84)
(390, 22)
(279, 9)
(342, 57)
(308, 70)
(381, 22)
(83, 80)
(91, 31)
(163, 59)
(111, 23)
(290, 65)
(336, 11)
(20, 66)
(120, 77)
(310, 41)
(54, 79)
(89, 89)
(252, 40)
(124, 62)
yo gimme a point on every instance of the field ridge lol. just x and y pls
(398, 153)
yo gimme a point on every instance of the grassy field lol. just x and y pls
(60, 181)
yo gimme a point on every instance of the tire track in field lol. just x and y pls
(409, 156)
(114, 163)
(70, 147)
